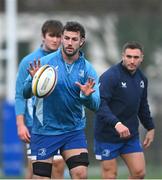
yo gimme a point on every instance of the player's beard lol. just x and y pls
(70, 54)
(132, 69)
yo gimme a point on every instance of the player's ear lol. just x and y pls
(122, 56)
(43, 37)
(82, 42)
(142, 58)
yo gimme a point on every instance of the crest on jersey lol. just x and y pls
(81, 73)
(123, 84)
(142, 84)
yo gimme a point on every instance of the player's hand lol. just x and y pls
(23, 133)
(149, 138)
(33, 68)
(122, 130)
(87, 89)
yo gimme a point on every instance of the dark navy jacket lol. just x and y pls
(124, 99)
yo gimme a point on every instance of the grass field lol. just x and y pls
(152, 172)
(94, 173)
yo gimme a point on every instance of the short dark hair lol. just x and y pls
(53, 26)
(133, 45)
(74, 27)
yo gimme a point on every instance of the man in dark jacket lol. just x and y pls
(124, 103)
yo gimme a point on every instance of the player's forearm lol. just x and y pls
(20, 104)
(106, 114)
(145, 117)
(20, 120)
(92, 102)
(27, 90)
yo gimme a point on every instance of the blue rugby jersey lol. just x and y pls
(124, 99)
(22, 106)
(63, 110)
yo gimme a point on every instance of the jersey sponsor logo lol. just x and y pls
(142, 84)
(106, 152)
(81, 73)
(42, 152)
(123, 84)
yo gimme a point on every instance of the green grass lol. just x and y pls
(152, 172)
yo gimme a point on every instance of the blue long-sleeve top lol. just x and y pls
(124, 99)
(23, 106)
(63, 110)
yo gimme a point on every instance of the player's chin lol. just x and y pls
(132, 69)
(70, 53)
(54, 48)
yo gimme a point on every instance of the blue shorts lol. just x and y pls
(46, 146)
(107, 151)
(57, 156)
(28, 149)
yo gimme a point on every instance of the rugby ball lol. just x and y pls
(44, 81)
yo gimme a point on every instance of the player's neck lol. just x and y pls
(70, 59)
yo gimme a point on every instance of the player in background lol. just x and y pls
(124, 103)
(51, 38)
(60, 120)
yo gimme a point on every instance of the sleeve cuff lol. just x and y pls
(82, 96)
(117, 124)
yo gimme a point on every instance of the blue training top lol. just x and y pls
(23, 106)
(63, 110)
(124, 99)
